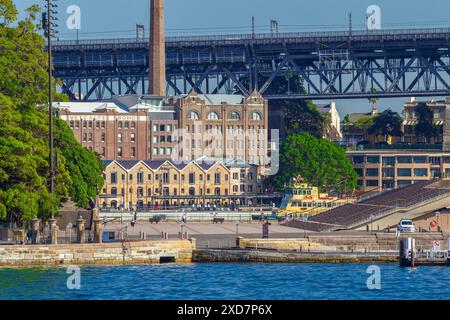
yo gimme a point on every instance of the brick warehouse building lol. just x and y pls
(126, 128)
(145, 127)
(148, 184)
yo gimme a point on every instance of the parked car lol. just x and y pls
(406, 226)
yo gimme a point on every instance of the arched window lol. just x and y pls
(213, 116)
(193, 115)
(234, 116)
(256, 116)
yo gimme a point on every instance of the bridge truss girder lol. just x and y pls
(358, 75)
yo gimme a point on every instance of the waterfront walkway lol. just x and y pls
(207, 234)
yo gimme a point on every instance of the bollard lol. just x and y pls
(403, 254)
(35, 231)
(412, 249)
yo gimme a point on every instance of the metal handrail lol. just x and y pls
(261, 36)
(406, 205)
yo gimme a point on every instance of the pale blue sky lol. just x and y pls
(115, 18)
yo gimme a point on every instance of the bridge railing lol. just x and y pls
(259, 36)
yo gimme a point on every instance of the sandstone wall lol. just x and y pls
(302, 244)
(147, 252)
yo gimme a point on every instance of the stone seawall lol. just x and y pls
(302, 244)
(146, 252)
(265, 256)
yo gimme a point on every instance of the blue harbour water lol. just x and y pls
(227, 281)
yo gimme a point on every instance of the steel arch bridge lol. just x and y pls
(318, 65)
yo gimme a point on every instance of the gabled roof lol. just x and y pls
(155, 164)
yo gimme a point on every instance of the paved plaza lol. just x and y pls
(207, 234)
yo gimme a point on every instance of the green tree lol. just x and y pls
(387, 123)
(24, 151)
(303, 116)
(425, 127)
(320, 162)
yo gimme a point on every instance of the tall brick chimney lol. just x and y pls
(157, 71)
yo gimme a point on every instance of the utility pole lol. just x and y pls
(50, 31)
(253, 27)
(350, 24)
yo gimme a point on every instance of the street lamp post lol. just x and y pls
(50, 32)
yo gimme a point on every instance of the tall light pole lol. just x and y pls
(50, 31)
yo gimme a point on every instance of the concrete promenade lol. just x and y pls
(207, 234)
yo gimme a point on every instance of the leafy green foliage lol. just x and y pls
(24, 151)
(320, 162)
(388, 123)
(303, 116)
(425, 127)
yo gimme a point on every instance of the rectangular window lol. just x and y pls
(404, 159)
(166, 178)
(155, 128)
(133, 137)
(404, 172)
(373, 159)
(389, 161)
(113, 177)
(140, 177)
(372, 183)
(191, 178)
(372, 172)
(133, 152)
(119, 152)
(155, 139)
(155, 151)
(420, 159)
(358, 159)
(388, 172)
(217, 178)
(103, 137)
(421, 172)
(435, 160)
